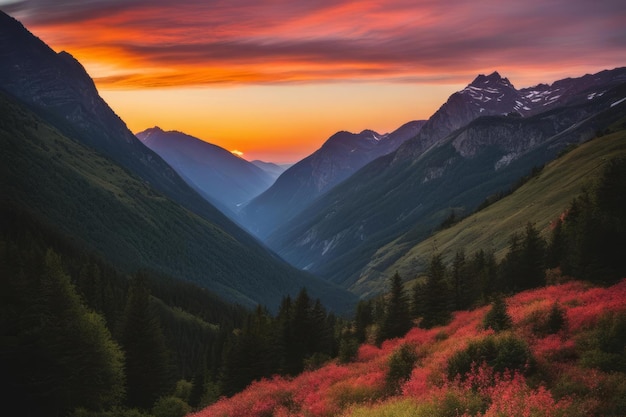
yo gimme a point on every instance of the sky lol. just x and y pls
(274, 79)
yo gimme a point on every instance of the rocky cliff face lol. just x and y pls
(493, 95)
(486, 95)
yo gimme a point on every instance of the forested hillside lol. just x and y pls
(455, 345)
(539, 197)
(132, 225)
(77, 334)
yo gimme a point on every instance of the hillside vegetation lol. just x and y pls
(124, 219)
(548, 350)
(576, 368)
(540, 201)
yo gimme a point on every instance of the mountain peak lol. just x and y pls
(145, 134)
(489, 80)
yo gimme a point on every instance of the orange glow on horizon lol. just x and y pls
(276, 123)
(276, 80)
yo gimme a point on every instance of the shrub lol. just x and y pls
(116, 412)
(497, 317)
(605, 347)
(170, 407)
(401, 364)
(547, 323)
(345, 393)
(505, 352)
(348, 349)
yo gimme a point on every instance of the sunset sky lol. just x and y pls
(274, 79)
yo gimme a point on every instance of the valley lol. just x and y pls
(470, 263)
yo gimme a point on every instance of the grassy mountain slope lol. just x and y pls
(341, 232)
(540, 201)
(575, 369)
(123, 218)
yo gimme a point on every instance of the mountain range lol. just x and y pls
(274, 170)
(479, 143)
(69, 161)
(130, 286)
(340, 156)
(346, 213)
(222, 178)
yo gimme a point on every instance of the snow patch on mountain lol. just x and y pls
(618, 102)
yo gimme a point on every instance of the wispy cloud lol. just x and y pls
(193, 42)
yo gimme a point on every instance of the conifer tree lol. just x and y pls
(397, 319)
(462, 282)
(511, 270)
(556, 248)
(72, 358)
(147, 359)
(364, 318)
(484, 268)
(436, 294)
(533, 258)
(497, 318)
(301, 325)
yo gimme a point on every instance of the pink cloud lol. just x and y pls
(156, 43)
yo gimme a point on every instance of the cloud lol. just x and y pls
(193, 42)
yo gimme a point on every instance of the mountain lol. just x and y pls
(221, 177)
(407, 194)
(274, 170)
(69, 160)
(490, 95)
(59, 90)
(540, 200)
(340, 156)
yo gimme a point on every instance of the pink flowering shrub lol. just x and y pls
(567, 378)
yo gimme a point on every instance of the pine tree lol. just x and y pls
(301, 341)
(511, 274)
(533, 258)
(497, 318)
(464, 292)
(556, 248)
(484, 268)
(66, 352)
(147, 359)
(364, 318)
(397, 319)
(436, 295)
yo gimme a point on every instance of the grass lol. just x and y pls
(540, 201)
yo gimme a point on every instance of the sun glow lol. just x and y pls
(278, 79)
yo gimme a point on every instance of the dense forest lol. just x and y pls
(78, 334)
(80, 338)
